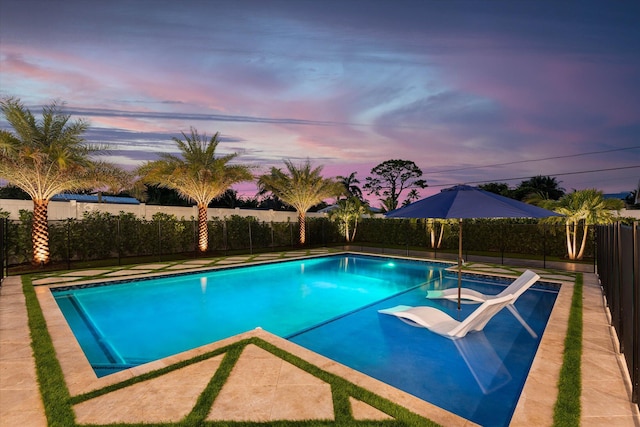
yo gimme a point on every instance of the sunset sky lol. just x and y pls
(471, 91)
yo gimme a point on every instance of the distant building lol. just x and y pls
(94, 198)
(624, 195)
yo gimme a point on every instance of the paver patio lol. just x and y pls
(263, 387)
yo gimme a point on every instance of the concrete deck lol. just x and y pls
(263, 387)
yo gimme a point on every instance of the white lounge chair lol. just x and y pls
(470, 296)
(516, 288)
(441, 323)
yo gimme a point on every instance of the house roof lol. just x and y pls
(92, 198)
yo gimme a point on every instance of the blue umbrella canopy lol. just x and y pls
(464, 202)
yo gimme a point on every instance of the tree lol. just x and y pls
(13, 192)
(412, 196)
(48, 156)
(437, 227)
(547, 187)
(582, 208)
(391, 178)
(198, 175)
(351, 185)
(301, 187)
(500, 188)
(347, 214)
(157, 195)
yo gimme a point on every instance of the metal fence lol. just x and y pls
(113, 240)
(3, 248)
(618, 262)
(104, 239)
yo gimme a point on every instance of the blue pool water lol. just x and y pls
(328, 305)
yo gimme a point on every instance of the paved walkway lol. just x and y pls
(271, 388)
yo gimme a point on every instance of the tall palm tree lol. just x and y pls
(582, 208)
(48, 156)
(302, 187)
(198, 176)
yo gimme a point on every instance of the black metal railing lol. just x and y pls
(4, 259)
(618, 263)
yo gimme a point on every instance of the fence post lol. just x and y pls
(159, 241)
(118, 239)
(618, 288)
(544, 245)
(291, 234)
(194, 228)
(3, 250)
(225, 234)
(501, 245)
(68, 244)
(635, 380)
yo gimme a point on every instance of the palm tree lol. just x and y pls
(349, 211)
(546, 186)
(582, 208)
(198, 176)
(437, 227)
(48, 156)
(302, 187)
(351, 184)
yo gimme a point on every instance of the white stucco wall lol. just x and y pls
(73, 209)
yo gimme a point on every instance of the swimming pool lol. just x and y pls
(328, 305)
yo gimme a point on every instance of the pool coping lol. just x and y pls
(535, 405)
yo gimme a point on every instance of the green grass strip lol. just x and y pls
(567, 408)
(205, 400)
(55, 394)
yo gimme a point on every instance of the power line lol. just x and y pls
(528, 177)
(535, 160)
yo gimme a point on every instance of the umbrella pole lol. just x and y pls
(459, 263)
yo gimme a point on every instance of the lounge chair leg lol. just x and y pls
(517, 315)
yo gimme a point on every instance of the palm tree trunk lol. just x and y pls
(203, 231)
(346, 230)
(355, 226)
(583, 245)
(570, 250)
(441, 235)
(40, 232)
(301, 223)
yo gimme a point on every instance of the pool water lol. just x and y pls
(479, 377)
(123, 325)
(329, 305)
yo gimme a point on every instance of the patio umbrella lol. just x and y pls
(465, 202)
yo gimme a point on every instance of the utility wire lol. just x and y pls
(533, 160)
(528, 177)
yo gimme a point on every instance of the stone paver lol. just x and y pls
(263, 387)
(168, 398)
(605, 397)
(129, 272)
(362, 411)
(84, 273)
(20, 403)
